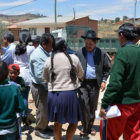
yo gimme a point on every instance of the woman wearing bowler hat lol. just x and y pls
(96, 68)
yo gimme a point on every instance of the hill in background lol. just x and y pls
(18, 18)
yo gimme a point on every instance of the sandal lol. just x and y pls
(30, 101)
(93, 132)
(82, 134)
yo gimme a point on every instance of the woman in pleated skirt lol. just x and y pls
(63, 73)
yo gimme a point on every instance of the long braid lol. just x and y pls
(72, 71)
(52, 68)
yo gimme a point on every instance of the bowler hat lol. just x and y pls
(90, 34)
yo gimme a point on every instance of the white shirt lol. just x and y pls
(23, 62)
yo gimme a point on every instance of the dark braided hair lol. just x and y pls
(52, 70)
(61, 46)
(24, 39)
(72, 71)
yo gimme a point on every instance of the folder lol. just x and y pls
(112, 112)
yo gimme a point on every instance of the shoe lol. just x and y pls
(42, 135)
(83, 134)
(24, 120)
(30, 101)
(93, 132)
(48, 129)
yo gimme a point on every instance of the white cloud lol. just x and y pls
(15, 3)
(128, 1)
(101, 12)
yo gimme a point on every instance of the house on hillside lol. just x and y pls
(39, 26)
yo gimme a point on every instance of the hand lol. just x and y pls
(103, 113)
(103, 86)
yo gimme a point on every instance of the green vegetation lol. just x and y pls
(117, 19)
(3, 29)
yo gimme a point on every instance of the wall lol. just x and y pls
(85, 21)
(15, 31)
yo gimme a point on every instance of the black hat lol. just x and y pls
(36, 38)
(90, 34)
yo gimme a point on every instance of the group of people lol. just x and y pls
(65, 87)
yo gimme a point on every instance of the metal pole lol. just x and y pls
(55, 15)
(135, 11)
(74, 14)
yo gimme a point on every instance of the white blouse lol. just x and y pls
(23, 62)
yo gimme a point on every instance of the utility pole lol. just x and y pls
(135, 11)
(55, 14)
(74, 14)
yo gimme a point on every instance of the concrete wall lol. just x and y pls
(40, 31)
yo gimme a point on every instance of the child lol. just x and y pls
(11, 102)
(14, 71)
(15, 79)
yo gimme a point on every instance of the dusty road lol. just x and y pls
(28, 133)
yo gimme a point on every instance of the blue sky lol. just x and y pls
(96, 9)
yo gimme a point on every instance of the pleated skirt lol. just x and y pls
(63, 107)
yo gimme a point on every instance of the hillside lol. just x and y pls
(107, 30)
(18, 18)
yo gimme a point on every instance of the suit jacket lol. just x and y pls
(101, 61)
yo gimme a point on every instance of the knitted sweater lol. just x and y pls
(124, 84)
(11, 102)
(62, 69)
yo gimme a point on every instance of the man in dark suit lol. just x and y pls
(96, 67)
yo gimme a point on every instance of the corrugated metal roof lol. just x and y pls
(46, 20)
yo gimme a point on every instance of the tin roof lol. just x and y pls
(45, 21)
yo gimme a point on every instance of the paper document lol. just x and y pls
(113, 111)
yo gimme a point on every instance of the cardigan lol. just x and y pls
(124, 84)
(11, 102)
(62, 69)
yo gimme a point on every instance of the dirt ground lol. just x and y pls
(28, 132)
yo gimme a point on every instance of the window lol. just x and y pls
(107, 41)
(113, 41)
(101, 41)
(32, 31)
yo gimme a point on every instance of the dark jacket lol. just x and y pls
(124, 85)
(101, 61)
